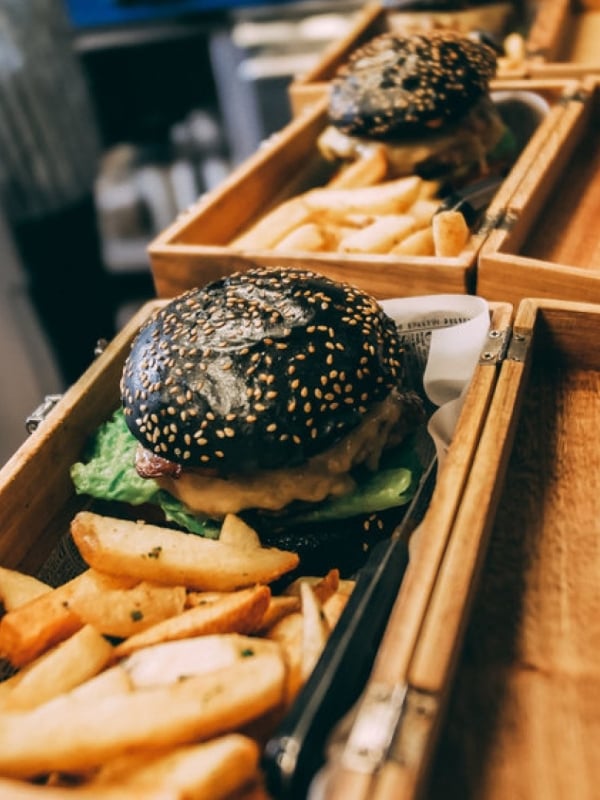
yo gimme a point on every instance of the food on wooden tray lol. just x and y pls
(276, 394)
(168, 710)
(384, 217)
(411, 120)
(425, 96)
(395, 216)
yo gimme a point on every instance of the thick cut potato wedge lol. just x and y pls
(16, 588)
(116, 608)
(75, 735)
(170, 662)
(235, 612)
(161, 555)
(67, 665)
(32, 628)
(212, 770)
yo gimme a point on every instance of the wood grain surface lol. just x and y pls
(524, 715)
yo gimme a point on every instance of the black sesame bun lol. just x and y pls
(403, 86)
(264, 391)
(425, 95)
(260, 370)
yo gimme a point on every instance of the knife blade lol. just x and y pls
(297, 750)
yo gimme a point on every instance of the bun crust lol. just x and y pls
(258, 370)
(402, 86)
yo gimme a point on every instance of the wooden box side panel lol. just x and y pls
(37, 494)
(401, 773)
(546, 245)
(574, 27)
(431, 539)
(549, 29)
(530, 666)
(177, 269)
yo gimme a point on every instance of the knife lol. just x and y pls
(296, 751)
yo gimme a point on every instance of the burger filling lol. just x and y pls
(433, 155)
(325, 475)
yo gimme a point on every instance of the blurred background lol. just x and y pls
(115, 115)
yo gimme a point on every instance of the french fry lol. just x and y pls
(288, 633)
(322, 587)
(169, 662)
(274, 225)
(193, 599)
(450, 233)
(309, 237)
(380, 236)
(108, 683)
(30, 629)
(315, 630)
(346, 586)
(67, 665)
(234, 612)
(422, 212)
(16, 588)
(237, 533)
(116, 608)
(429, 190)
(74, 736)
(212, 770)
(369, 168)
(333, 608)
(390, 197)
(419, 243)
(161, 555)
(279, 607)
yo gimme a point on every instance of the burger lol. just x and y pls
(426, 97)
(275, 394)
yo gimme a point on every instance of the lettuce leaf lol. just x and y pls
(107, 472)
(393, 485)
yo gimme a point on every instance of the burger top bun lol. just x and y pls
(401, 86)
(258, 370)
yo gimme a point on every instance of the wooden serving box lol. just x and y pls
(549, 25)
(196, 248)
(37, 499)
(519, 558)
(490, 656)
(547, 244)
(563, 41)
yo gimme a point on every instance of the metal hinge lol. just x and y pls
(518, 347)
(494, 350)
(505, 345)
(35, 419)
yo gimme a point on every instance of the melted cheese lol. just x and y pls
(322, 476)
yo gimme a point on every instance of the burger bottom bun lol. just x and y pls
(343, 544)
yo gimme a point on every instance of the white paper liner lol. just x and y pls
(447, 333)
